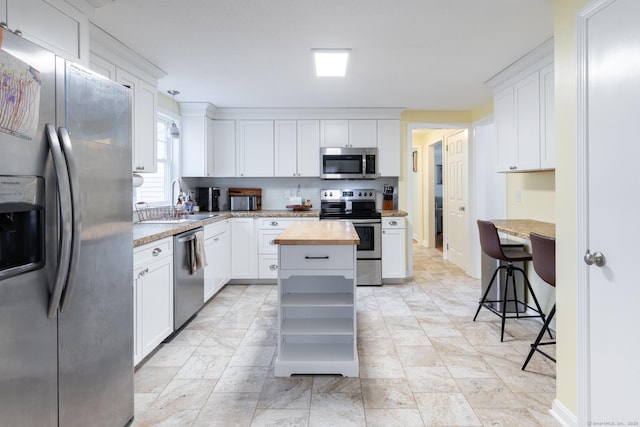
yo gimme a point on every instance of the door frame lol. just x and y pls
(582, 218)
(408, 179)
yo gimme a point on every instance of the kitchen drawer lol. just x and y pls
(265, 241)
(317, 257)
(394, 222)
(279, 223)
(152, 251)
(268, 266)
(216, 228)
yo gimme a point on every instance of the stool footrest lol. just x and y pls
(511, 316)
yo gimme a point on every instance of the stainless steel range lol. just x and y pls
(359, 207)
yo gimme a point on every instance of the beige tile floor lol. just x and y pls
(423, 362)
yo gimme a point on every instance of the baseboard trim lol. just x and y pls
(562, 414)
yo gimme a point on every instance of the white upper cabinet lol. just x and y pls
(197, 142)
(308, 148)
(284, 143)
(116, 61)
(363, 133)
(526, 97)
(3, 11)
(286, 147)
(297, 148)
(547, 119)
(334, 133)
(254, 149)
(505, 128)
(53, 24)
(197, 137)
(389, 147)
(144, 130)
(523, 113)
(224, 148)
(208, 145)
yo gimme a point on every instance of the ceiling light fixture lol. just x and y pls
(331, 62)
(173, 131)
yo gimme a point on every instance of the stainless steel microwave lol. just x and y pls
(348, 163)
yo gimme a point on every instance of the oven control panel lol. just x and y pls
(345, 194)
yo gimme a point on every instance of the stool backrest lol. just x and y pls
(489, 240)
(543, 250)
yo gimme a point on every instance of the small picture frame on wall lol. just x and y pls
(414, 159)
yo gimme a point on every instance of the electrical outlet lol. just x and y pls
(518, 196)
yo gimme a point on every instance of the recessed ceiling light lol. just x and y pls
(331, 62)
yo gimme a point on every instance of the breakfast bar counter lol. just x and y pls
(317, 299)
(523, 227)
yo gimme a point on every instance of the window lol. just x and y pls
(156, 188)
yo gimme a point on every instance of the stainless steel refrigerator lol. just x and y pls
(66, 263)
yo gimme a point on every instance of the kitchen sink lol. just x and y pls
(181, 220)
(199, 216)
(167, 221)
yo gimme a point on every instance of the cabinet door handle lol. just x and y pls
(393, 222)
(513, 167)
(156, 252)
(316, 257)
(273, 223)
(271, 242)
(273, 267)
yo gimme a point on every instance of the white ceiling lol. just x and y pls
(416, 54)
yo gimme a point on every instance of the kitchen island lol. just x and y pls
(317, 299)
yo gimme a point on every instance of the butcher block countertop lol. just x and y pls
(319, 233)
(522, 227)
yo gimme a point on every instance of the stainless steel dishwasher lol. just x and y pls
(188, 295)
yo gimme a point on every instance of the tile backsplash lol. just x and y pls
(276, 191)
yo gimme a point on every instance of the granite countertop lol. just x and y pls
(319, 233)
(147, 233)
(522, 227)
(393, 212)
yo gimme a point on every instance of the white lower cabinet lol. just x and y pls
(317, 310)
(244, 253)
(217, 246)
(153, 296)
(269, 229)
(394, 248)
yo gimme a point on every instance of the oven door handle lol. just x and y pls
(362, 221)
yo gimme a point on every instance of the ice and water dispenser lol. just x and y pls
(22, 211)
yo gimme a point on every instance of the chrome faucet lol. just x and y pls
(173, 196)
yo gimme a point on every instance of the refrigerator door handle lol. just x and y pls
(76, 225)
(64, 198)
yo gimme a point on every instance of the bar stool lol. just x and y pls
(490, 244)
(544, 263)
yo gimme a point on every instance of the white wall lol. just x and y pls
(490, 187)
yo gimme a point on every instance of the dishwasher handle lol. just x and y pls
(187, 238)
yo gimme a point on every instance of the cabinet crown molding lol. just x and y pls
(536, 59)
(197, 109)
(105, 45)
(307, 113)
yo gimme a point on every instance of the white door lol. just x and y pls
(608, 210)
(456, 198)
